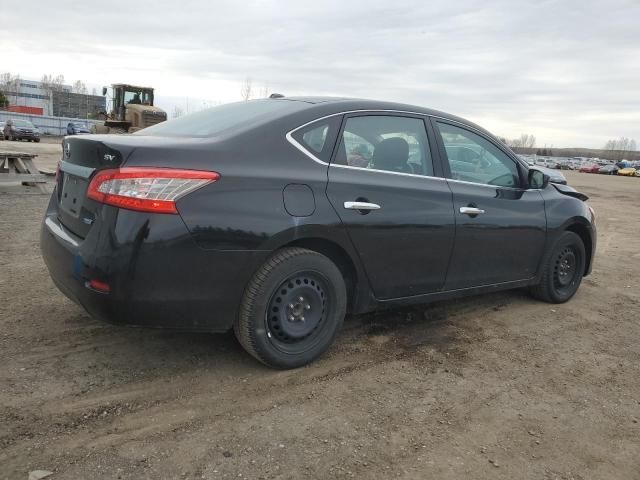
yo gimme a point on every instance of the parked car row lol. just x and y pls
(611, 170)
(584, 165)
(18, 129)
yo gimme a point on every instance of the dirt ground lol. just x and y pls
(495, 386)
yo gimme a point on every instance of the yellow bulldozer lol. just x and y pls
(132, 109)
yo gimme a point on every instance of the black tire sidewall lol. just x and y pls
(568, 239)
(266, 349)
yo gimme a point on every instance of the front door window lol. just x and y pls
(474, 159)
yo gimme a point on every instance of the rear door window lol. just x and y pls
(385, 142)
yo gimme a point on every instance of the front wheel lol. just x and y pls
(562, 271)
(292, 308)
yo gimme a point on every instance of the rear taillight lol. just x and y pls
(146, 189)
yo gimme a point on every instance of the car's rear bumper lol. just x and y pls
(157, 280)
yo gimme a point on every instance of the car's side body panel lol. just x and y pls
(413, 229)
(504, 243)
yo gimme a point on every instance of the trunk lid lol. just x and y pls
(81, 156)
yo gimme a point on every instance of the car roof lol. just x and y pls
(336, 105)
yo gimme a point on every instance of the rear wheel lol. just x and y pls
(292, 308)
(563, 270)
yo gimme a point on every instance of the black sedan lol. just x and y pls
(277, 217)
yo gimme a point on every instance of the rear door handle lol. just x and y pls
(361, 206)
(471, 210)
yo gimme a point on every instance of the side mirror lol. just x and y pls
(537, 179)
(104, 91)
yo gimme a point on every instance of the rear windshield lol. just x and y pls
(213, 121)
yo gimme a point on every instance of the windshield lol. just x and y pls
(213, 121)
(138, 96)
(23, 123)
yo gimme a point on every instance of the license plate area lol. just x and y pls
(73, 194)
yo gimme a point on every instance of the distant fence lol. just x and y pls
(47, 125)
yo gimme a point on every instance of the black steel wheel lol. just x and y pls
(562, 270)
(292, 308)
(297, 311)
(565, 269)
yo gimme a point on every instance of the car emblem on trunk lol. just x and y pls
(67, 150)
(108, 157)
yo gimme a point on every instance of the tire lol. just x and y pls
(291, 284)
(562, 270)
(37, 140)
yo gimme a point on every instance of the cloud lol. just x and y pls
(565, 71)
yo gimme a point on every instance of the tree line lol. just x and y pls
(621, 147)
(615, 149)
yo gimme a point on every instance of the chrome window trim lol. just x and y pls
(364, 169)
(488, 185)
(299, 146)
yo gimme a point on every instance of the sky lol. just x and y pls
(567, 71)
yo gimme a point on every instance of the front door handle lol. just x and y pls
(361, 206)
(471, 210)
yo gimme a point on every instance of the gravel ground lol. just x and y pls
(495, 386)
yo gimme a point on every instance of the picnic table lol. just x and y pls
(19, 166)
